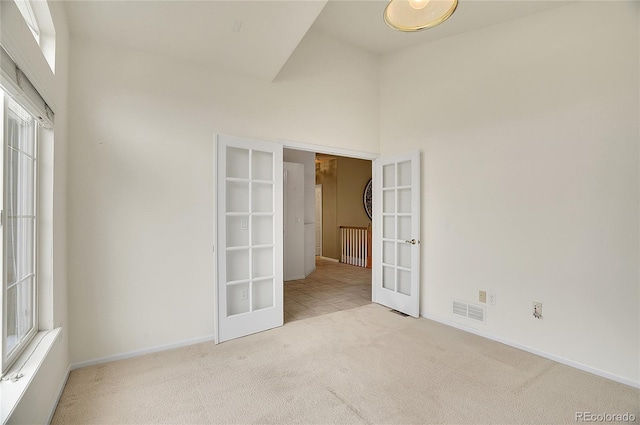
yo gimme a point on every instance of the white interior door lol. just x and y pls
(249, 235)
(293, 186)
(396, 232)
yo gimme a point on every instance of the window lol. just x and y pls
(37, 16)
(29, 17)
(18, 227)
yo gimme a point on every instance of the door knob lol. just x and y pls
(412, 241)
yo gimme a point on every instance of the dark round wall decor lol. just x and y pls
(366, 199)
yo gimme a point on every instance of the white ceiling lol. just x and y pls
(202, 32)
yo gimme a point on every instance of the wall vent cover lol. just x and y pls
(470, 311)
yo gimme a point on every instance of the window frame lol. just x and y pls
(9, 357)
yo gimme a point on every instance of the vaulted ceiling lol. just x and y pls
(256, 38)
(249, 37)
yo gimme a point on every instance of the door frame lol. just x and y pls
(318, 186)
(286, 144)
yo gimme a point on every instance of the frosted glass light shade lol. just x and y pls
(403, 16)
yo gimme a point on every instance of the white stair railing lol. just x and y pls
(355, 246)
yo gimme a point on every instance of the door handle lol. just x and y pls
(412, 241)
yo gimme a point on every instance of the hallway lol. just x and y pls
(331, 287)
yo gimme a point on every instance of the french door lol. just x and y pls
(249, 236)
(249, 199)
(396, 232)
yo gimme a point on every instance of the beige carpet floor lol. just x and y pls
(363, 365)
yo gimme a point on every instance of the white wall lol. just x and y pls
(308, 160)
(41, 396)
(140, 176)
(529, 133)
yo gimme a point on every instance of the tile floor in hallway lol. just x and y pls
(331, 287)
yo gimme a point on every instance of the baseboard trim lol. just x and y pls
(535, 351)
(59, 396)
(142, 352)
(329, 259)
(297, 277)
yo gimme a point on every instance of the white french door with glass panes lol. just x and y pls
(249, 236)
(396, 232)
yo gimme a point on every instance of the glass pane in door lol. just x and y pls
(404, 173)
(388, 254)
(404, 255)
(389, 175)
(404, 228)
(237, 163)
(262, 230)
(388, 227)
(262, 262)
(388, 201)
(404, 282)
(262, 197)
(388, 278)
(237, 299)
(238, 265)
(237, 196)
(237, 230)
(262, 294)
(404, 201)
(262, 166)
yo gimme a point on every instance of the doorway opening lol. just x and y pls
(326, 198)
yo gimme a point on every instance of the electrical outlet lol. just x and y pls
(483, 297)
(537, 310)
(244, 294)
(492, 298)
(243, 224)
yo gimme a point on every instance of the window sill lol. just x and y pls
(27, 364)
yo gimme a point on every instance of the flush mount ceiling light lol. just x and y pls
(416, 15)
